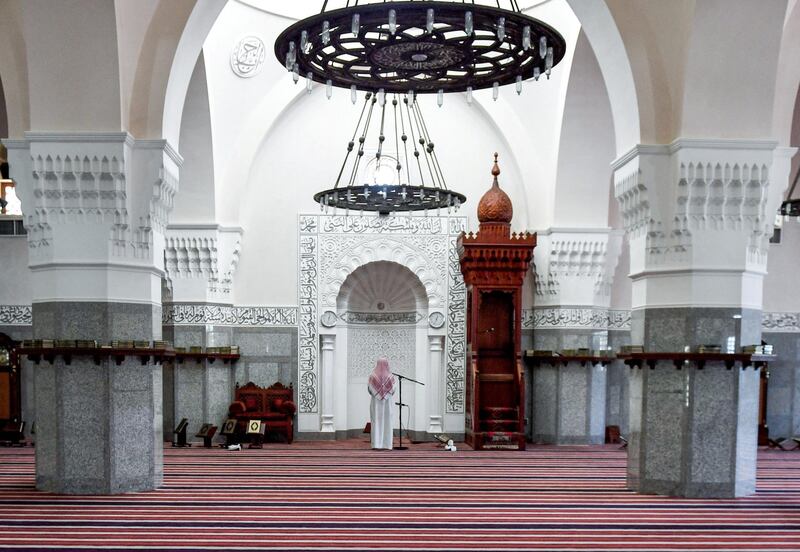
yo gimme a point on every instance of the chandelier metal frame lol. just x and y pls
(399, 123)
(420, 45)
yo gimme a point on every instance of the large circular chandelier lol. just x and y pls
(394, 50)
(420, 46)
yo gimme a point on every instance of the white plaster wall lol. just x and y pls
(744, 86)
(72, 65)
(194, 201)
(14, 273)
(783, 268)
(587, 147)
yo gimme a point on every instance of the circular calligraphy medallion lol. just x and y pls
(248, 57)
(436, 320)
(328, 319)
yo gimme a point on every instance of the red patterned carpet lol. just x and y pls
(339, 496)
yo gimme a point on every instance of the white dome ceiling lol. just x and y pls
(381, 286)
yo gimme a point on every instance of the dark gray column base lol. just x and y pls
(569, 404)
(99, 428)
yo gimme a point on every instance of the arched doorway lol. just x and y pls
(382, 308)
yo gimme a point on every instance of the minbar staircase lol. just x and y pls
(499, 429)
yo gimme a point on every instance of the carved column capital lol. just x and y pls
(699, 215)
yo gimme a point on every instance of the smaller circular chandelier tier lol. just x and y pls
(391, 162)
(421, 46)
(386, 199)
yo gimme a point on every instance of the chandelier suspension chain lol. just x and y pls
(404, 137)
(422, 143)
(396, 140)
(352, 141)
(414, 141)
(437, 167)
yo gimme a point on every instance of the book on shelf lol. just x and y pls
(709, 349)
(122, 344)
(628, 349)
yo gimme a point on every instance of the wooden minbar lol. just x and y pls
(494, 263)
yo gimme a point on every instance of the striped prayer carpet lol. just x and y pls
(342, 496)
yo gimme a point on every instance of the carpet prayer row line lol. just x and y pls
(341, 496)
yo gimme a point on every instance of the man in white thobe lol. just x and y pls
(381, 389)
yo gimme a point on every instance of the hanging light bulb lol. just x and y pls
(355, 26)
(292, 53)
(469, 95)
(526, 37)
(296, 73)
(468, 25)
(328, 88)
(440, 97)
(501, 28)
(309, 81)
(411, 97)
(518, 84)
(392, 21)
(429, 20)
(326, 33)
(495, 90)
(548, 62)
(381, 97)
(542, 47)
(536, 73)
(303, 41)
(353, 93)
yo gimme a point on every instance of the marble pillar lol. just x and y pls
(783, 390)
(96, 209)
(693, 431)
(435, 378)
(328, 359)
(98, 425)
(569, 402)
(697, 216)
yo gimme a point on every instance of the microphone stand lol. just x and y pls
(401, 377)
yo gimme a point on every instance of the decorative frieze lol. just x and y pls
(16, 315)
(308, 300)
(351, 317)
(455, 370)
(585, 318)
(223, 315)
(781, 322)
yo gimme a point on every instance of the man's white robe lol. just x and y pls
(381, 417)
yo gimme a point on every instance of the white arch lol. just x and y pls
(398, 279)
(606, 41)
(788, 77)
(198, 26)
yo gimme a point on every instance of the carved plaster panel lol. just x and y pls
(200, 261)
(16, 315)
(332, 247)
(781, 322)
(366, 345)
(85, 179)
